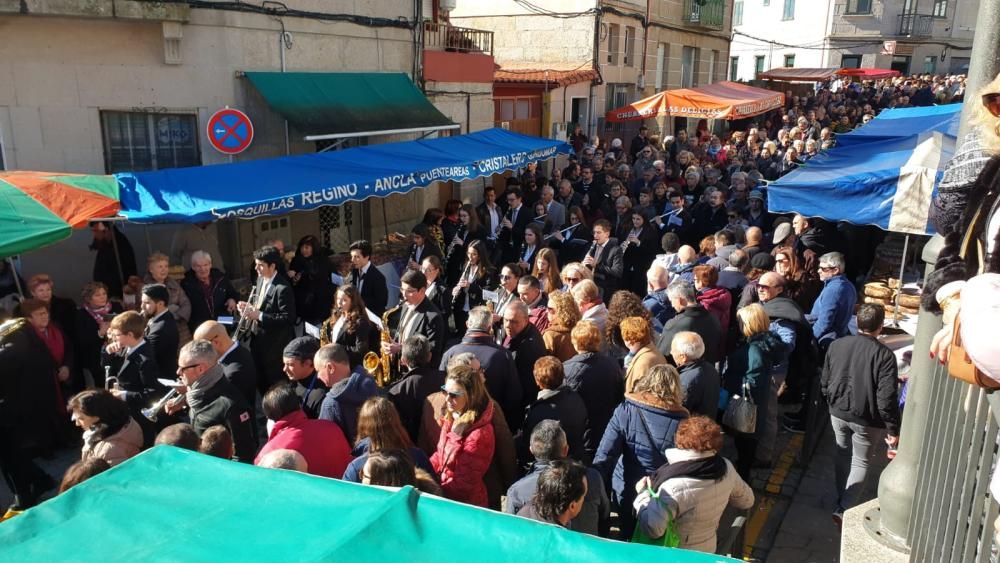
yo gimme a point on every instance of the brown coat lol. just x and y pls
(647, 357)
(118, 447)
(501, 473)
(558, 342)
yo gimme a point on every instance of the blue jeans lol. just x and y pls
(856, 448)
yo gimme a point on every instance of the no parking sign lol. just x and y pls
(230, 131)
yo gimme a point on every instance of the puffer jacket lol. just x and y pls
(116, 448)
(462, 459)
(628, 452)
(695, 504)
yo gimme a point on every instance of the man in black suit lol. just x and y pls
(512, 234)
(416, 315)
(367, 279)
(605, 258)
(161, 330)
(491, 214)
(236, 361)
(272, 316)
(421, 381)
(525, 343)
(131, 360)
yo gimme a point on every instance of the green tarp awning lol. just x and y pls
(169, 504)
(332, 103)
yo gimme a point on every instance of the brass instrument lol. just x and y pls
(154, 411)
(380, 367)
(11, 326)
(245, 326)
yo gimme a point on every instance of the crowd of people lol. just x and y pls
(563, 351)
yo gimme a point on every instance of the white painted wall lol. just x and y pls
(807, 29)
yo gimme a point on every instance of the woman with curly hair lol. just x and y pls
(637, 333)
(380, 429)
(349, 325)
(563, 316)
(547, 270)
(623, 304)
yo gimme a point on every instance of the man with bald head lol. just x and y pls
(687, 259)
(656, 300)
(236, 361)
(754, 236)
(555, 212)
(699, 378)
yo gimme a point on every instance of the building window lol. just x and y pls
(940, 8)
(738, 12)
(767, 2)
(734, 68)
(930, 64)
(629, 45)
(614, 38)
(859, 7)
(758, 65)
(138, 141)
(789, 11)
(789, 61)
(850, 61)
(662, 64)
(689, 65)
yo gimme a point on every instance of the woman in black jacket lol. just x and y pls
(310, 274)
(640, 247)
(437, 290)
(469, 230)
(349, 325)
(477, 275)
(93, 319)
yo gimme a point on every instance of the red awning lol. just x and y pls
(798, 74)
(722, 100)
(869, 73)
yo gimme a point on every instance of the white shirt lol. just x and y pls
(494, 218)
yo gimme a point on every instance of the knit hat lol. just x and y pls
(762, 261)
(302, 348)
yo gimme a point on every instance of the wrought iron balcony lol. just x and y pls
(445, 37)
(705, 13)
(915, 25)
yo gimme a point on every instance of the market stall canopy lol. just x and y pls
(169, 504)
(41, 208)
(883, 174)
(721, 100)
(868, 73)
(798, 74)
(296, 183)
(332, 105)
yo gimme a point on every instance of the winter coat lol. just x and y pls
(701, 383)
(696, 505)
(321, 443)
(499, 369)
(343, 400)
(208, 308)
(718, 301)
(116, 448)
(598, 379)
(596, 506)
(659, 307)
(859, 382)
(223, 403)
(694, 318)
(558, 342)
(628, 451)
(563, 405)
(833, 309)
(644, 360)
(752, 363)
(462, 459)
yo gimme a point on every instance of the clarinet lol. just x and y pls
(462, 231)
(507, 215)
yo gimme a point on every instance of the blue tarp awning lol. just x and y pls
(883, 174)
(297, 183)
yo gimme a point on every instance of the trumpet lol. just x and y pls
(153, 412)
(245, 326)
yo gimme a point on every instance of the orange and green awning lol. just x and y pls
(720, 100)
(41, 208)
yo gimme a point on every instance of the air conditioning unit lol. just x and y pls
(505, 125)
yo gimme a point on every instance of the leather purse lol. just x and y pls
(960, 365)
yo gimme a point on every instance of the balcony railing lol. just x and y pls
(705, 13)
(915, 25)
(445, 37)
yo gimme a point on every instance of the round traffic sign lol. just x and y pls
(230, 131)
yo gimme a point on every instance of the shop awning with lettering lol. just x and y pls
(721, 100)
(296, 183)
(334, 105)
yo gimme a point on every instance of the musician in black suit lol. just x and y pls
(477, 275)
(236, 361)
(416, 315)
(423, 245)
(491, 213)
(367, 278)
(437, 289)
(132, 361)
(605, 258)
(512, 227)
(161, 329)
(272, 317)
(679, 221)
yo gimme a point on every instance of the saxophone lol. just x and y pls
(380, 367)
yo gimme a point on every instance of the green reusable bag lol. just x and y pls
(670, 536)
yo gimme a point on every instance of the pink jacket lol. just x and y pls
(462, 460)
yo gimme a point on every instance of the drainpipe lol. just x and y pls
(592, 102)
(285, 42)
(645, 44)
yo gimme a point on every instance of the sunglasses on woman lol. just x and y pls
(992, 103)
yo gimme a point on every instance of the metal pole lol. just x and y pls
(902, 272)
(17, 281)
(897, 485)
